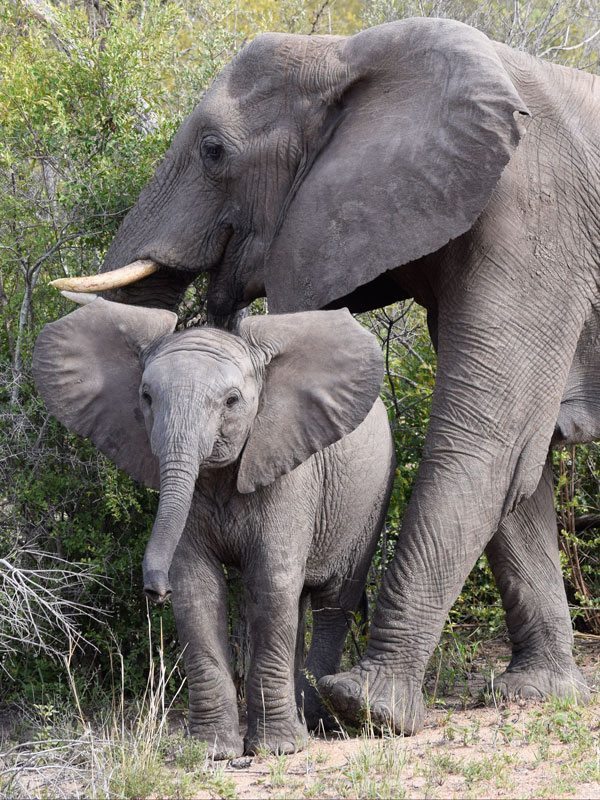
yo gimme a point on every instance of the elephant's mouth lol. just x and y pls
(218, 460)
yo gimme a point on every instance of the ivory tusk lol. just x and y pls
(108, 280)
(82, 298)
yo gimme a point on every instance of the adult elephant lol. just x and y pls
(416, 159)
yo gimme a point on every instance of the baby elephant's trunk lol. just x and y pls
(178, 474)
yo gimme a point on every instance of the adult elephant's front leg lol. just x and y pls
(501, 374)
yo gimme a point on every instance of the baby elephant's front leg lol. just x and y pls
(200, 606)
(272, 607)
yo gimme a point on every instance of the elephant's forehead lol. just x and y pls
(204, 348)
(277, 59)
(226, 108)
(217, 108)
(266, 74)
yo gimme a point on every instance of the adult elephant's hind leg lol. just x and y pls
(524, 557)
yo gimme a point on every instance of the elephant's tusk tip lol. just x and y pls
(60, 283)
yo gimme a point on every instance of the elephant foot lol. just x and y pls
(311, 707)
(279, 737)
(540, 683)
(222, 742)
(374, 693)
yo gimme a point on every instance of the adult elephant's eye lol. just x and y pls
(232, 400)
(211, 150)
(146, 398)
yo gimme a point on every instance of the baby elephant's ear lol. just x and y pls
(322, 377)
(87, 368)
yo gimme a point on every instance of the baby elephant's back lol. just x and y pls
(357, 474)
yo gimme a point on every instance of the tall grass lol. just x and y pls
(116, 751)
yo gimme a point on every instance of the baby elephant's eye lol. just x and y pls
(232, 400)
(146, 398)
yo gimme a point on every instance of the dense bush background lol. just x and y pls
(90, 95)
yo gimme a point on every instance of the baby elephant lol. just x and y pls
(272, 454)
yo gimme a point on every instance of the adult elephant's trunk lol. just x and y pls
(178, 475)
(139, 237)
(157, 251)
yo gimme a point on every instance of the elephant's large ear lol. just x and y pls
(322, 377)
(87, 368)
(429, 119)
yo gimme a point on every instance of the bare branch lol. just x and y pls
(317, 17)
(36, 604)
(563, 48)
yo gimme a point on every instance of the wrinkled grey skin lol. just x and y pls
(417, 159)
(217, 421)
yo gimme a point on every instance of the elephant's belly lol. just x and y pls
(579, 417)
(357, 475)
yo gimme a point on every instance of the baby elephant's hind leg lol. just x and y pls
(524, 557)
(333, 610)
